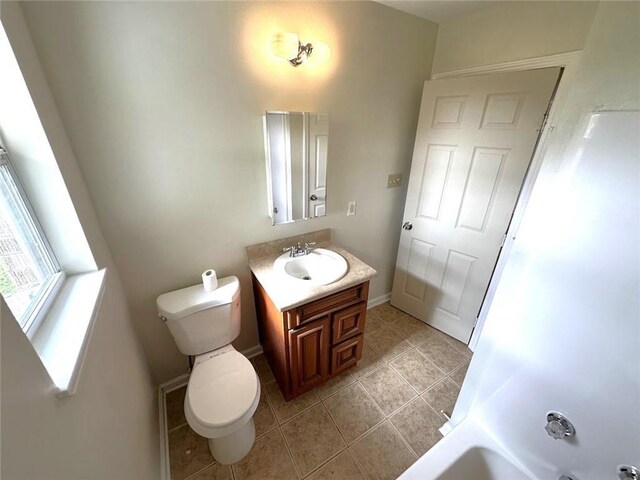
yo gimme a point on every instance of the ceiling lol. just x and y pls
(439, 10)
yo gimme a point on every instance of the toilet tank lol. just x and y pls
(201, 321)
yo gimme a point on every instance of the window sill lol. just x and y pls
(62, 338)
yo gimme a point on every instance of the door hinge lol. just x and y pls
(475, 322)
(544, 122)
(504, 239)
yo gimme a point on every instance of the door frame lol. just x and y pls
(569, 61)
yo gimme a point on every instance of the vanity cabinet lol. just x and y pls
(308, 344)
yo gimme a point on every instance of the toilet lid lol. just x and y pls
(222, 389)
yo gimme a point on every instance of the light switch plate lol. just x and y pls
(395, 180)
(351, 208)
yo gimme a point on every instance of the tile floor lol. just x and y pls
(372, 422)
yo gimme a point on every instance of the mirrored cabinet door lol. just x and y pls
(296, 146)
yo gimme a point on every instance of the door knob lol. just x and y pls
(407, 226)
(313, 197)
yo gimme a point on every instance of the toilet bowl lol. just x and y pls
(222, 396)
(224, 390)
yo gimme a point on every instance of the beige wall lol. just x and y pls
(109, 428)
(512, 31)
(163, 105)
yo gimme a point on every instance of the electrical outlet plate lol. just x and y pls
(395, 180)
(351, 208)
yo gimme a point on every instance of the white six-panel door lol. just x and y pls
(318, 146)
(475, 139)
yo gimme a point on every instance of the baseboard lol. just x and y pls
(165, 469)
(253, 351)
(163, 389)
(174, 383)
(374, 302)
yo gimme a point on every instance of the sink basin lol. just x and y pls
(319, 267)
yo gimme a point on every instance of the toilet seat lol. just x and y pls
(223, 393)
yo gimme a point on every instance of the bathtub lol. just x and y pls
(467, 453)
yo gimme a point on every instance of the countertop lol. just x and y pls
(289, 293)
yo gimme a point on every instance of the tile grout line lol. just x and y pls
(372, 430)
(360, 467)
(355, 440)
(293, 460)
(358, 464)
(418, 394)
(372, 371)
(444, 375)
(177, 427)
(355, 380)
(346, 444)
(325, 462)
(268, 431)
(404, 440)
(202, 470)
(428, 359)
(355, 457)
(404, 404)
(263, 391)
(296, 415)
(384, 415)
(402, 376)
(388, 417)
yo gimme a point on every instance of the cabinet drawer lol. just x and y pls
(348, 322)
(326, 305)
(346, 354)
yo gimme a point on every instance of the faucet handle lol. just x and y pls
(288, 249)
(308, 244)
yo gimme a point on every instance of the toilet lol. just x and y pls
(223, 390)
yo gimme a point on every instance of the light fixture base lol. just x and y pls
(304, 51)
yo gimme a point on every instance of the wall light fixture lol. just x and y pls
(291, 48)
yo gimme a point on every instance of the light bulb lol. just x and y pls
(320, 54)
(285, 45)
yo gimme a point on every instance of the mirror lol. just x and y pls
(296, 153)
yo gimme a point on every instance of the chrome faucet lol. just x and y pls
(299, 250)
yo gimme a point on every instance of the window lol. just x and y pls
(54, 298)
(29, 272)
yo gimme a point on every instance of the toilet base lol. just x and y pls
(234, 447)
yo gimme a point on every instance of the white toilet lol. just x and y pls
(224, 390)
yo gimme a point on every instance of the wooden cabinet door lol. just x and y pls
(346, 354)
(310, 355)
(348, 322)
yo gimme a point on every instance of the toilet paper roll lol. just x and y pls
(209, 280)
